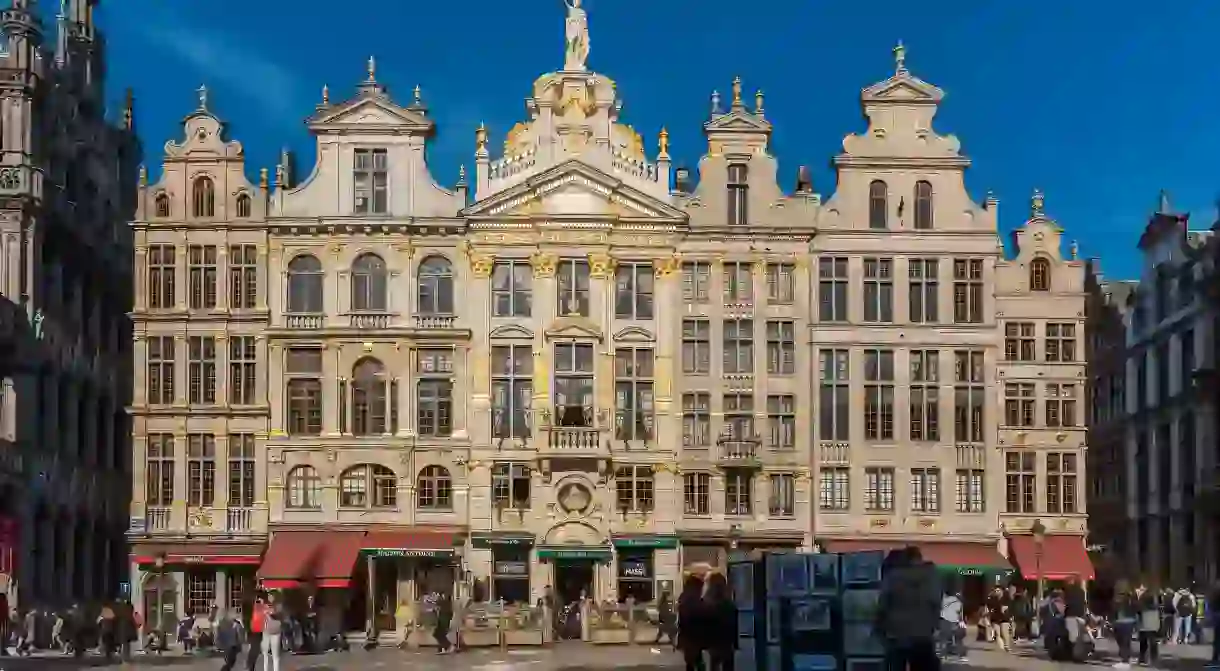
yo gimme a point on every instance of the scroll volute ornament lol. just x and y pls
(668, 267)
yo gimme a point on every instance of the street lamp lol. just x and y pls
(159, 563)
(1039, 532)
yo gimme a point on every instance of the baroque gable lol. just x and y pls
(373, 114)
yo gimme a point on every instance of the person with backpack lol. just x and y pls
(1183, 616)
(952, 625)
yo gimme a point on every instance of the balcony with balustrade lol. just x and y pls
(304, 321)
(573, 431)
(734, 451)
(157, 519)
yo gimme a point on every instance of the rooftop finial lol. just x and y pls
(900, 58)
(418, 95)
(325, 94)
(203, 96)
(663, 144)
(737, 92)
(1074, 250)
(715, 102)
(461, 175)
(1162, 203)
(480, 138)
(758, 102)
(372, 68)
(1037, 204)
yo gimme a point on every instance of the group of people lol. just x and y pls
(1152, 618)
(110, 627)
(704, 625)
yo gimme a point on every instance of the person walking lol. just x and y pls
(444, 618)
(952, 625)
(999, 613)
(666, 626)
(228, 634)
(722, 623)
(1183, 616)
(257, 617)
(1126, 612)
(273, 628)
(908, 612)
(1149, 625)
(107, 629)
(692, 623)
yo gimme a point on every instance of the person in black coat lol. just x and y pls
(692, 623)
(721, 614)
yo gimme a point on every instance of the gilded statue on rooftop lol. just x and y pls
(576, 51)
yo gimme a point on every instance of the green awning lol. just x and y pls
(485, 540)
(439, 553)
(594, 552)
(656, 541)
(967, 570)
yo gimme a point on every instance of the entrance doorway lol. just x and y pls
(572, 579)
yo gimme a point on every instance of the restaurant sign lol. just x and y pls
(408, 553)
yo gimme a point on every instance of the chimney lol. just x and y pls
(682, 180)
(804, 180)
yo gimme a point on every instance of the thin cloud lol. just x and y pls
(225, 65)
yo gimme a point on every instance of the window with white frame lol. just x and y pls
(633, 393)
(512, 285)
(696, 346)
(572, 279)
(969, 396)
(832, 289)
(879, 489)
(201, 369)
(781, 347)
(738, 492)
(925, 490)
(633, 486)
(925, 395)
(512, 387)
(834, 395)
(738, 282)
(696, 494)
(696, 281)
(371, 181)
(1019, 404)
(241, 470)
(781, 283)
(781, 497)
(834, 488)
(1061, 485)
(738, 346)
(781, 421)
(968, 291)
(573, 384)
(159, 470)
(243, 277)
(1060, 342)
(202, 270)
(879, 394)
(923, 287)
(510, 486)
(243, 370)
(633, 290)
(970, 483)
(696, 420)
(1060, 405)
(878, 290)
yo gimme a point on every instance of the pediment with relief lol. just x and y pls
(574, 188)
(371, 112)
(736, 121)
(511, 332)
(573, 327)
(902, 87)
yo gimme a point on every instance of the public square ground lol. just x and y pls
(574, 657)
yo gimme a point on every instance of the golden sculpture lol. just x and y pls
(737, 92)
(481, 265)
(543, 264)
(668, 267)
(601, 266)
(663, 144)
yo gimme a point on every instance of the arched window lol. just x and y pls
(1040, 275)
(878, 205)
(369, 283)
(304, 488)
(923, 205)
(203, 196)
(435, 287)
(305, 285)
(368, 398)
(435, 489)
(366, 486)
(162, 205)
(243, 206)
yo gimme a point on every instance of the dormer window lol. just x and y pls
(738, 190)
(243, 206)
(370, 179)
(878, 203)
(1040, 275)
(923, 205)
(162, 205)
(203, 197)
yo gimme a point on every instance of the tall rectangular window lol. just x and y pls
(201, 469)
(512, 386)
(243, 371)
(303, 370)
(970, 490)
(510, 486)
(781, 283)
(738, 346)
(241, 470)
(834, 395)
(696, 494)
(696, 420)
(162, 353)
(738, 279)
(739, 189)
(434, 393)
(243, 277)
(879, 489)
(879, 394)
(633, 291)
(925, 395)
(1061, 401)
(781, 347)
(1019, 341)
(1019, 400)
(1020, 474)
(159, 470)
(572, 278)
(696, 346)
(925, 490)
(738, 416)
(832, 289)
(371, 181)
(923, 279)
(738, 492)
(634, 488)
(696, 281)
(781, 499)
(878, 290)
(781, 422)
(969, 396)
(162, 270)
(1061, 483)
(573, 384)
(834, 488)
(202, 272)
(1061, 342)
(202, 370)
(633, 394)
(512, 283)
(968, 291)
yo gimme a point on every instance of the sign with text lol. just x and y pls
(634, 569)
(511, 568)
(405, 553)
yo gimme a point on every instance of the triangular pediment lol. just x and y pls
(573, 327)
(903, 88)
(738, 121)
(371, 112)
(573, 188)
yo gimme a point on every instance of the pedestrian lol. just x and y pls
(908, 612)
(1213, 614)
(666, 625)
(107, 628)
(1126, 613)
(273, 627)
(1022, 610)
(444, 617)
(999, 613)
(1183, 616)
(404, 617)
(952, 624)
(692, 623)
(228, 641)
(721, 615)
(257, 617)
(1150, 625)
(30, 629)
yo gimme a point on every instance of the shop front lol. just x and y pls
(1050, 558)
(576, 569)
(708, 552)
(407, 565)
(176, 579)
(639, 558)
(510, 565)
(317, 566)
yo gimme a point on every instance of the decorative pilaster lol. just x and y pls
(668, 291)
(222, 278)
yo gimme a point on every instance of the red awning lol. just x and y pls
(944, 553)
(1063, 556)
(411, 540)
(322, 558)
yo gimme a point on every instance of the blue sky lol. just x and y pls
(1100, 104)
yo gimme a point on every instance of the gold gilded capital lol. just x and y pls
(481, 265)
(543, 264)
(668, 267)
(601, 266)
(760, 268)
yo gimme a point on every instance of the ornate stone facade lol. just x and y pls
(583, 365)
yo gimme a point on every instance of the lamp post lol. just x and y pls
(159, 563)
(1039, 532)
